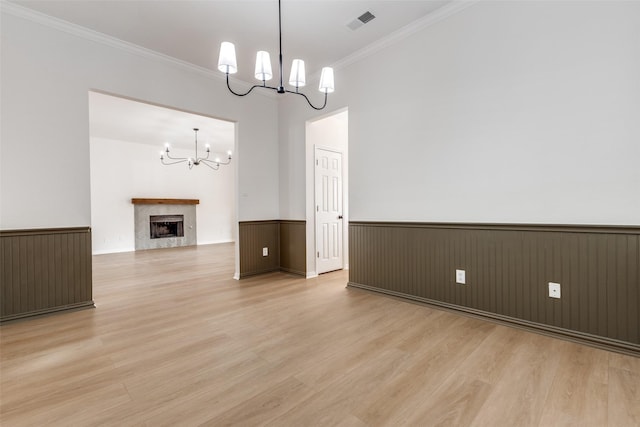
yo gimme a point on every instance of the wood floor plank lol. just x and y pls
(579, 392)
(397, 402)
(461, 399)
(624, 390)
(623, 361)
(174, 340)
(520, 397)
(266, 405)
(488, 361)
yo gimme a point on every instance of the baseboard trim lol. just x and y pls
(569, 335)
(256, 273)
(53, 310)
(271, 270)
(292, 271)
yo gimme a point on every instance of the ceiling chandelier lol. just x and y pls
(194, 161)
(228, 65)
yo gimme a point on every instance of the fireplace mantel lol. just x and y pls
(165, 201)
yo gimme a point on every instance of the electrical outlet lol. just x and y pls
(265, 251)
(460, 277)
(554, 290)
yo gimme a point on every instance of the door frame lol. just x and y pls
(317, 147)
(312, 140)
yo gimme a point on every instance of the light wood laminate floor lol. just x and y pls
(174, 341)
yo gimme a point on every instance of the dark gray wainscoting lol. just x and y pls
(253, 236)
(293, 246)
(508, 268)
(286, 240)
(44, 270)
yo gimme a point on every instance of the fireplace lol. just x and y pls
(164, 223)
(164, 226)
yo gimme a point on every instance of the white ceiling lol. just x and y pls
(191, 31)
(313, 30)
(121, 119)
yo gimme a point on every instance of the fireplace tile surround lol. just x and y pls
(145, 208)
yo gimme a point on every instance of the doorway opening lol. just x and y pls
(126, 139)
(327, 193)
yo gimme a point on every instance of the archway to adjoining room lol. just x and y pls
(327, 193)
(126, 138)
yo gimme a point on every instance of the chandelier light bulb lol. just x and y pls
(326, 80)
(227, 59)
(297, 78)
(263, 66)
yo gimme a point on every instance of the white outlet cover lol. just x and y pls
(460, 277)
(265, 251)
(554, 290)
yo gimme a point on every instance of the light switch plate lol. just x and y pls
(460, 277)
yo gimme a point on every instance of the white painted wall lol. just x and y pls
(294, 154)
(46, 74)
(117, 178)
(516, 112)
(331, 132)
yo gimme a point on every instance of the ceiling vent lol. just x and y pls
(360, 20)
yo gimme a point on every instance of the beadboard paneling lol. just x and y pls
(293, 248)
(44, 270)
(253, 236)
(286, 240)
(508, 268)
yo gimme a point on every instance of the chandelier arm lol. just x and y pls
(175, 158)
(218, 163)
(206, 163)
(173, 163)
(309, 102)
(263, 85)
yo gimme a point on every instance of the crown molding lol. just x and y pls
(104, 39)
(432, 18)
(95, 36)
(428, 20)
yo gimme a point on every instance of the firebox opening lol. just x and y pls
(163, 226)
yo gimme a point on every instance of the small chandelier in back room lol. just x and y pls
(195, 160)
(228, 65)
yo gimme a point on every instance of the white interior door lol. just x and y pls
(328, 191)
